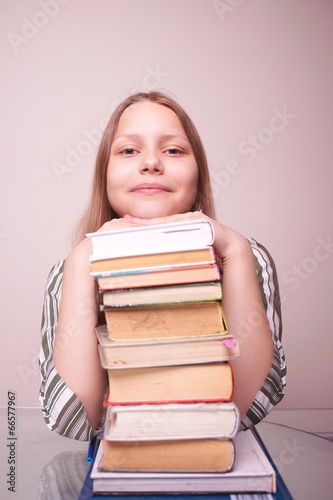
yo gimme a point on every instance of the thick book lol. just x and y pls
(155, 276)
(144, 422)
(181, 351)
(249, 480)
(165, 321)
(171, 294)
(137, 263)
(196, 455)
(252, 472)
(157, 238)
(209, 382)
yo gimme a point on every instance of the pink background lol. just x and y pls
(256, 77)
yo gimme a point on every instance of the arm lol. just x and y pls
(63, 412)
(72, 379)
(245, 312)
(274, 386)
(75, 353)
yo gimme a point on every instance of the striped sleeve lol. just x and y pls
(274, 386)
(63, 412)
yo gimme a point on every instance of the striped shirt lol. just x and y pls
(63, 411)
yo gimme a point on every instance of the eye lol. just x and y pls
(173, 151)
(128, 151)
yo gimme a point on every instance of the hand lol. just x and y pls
(169, 218)
(115, 224)
(226, 240)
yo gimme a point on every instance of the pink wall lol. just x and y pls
(256, 76)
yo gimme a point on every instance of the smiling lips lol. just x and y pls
(150, 188)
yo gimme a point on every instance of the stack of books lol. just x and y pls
(167, 350)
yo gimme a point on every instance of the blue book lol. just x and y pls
(250, 479)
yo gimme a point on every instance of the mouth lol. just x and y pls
(150, 188)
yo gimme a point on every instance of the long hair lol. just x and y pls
(99, 210)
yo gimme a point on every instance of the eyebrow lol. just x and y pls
(163, 137)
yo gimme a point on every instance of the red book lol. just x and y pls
(206, 382)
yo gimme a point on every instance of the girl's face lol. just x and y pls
(152, 171)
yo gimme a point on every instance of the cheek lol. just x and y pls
(191, 181)
(114, 178)
(113, 182)
(190, 185)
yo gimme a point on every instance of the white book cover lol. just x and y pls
(157, 238)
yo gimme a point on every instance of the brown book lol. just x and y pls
(207, 382)
(165, 321)
(181, 351)
(207, 455)
(155, 276)
(191, 257)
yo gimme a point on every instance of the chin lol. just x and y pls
(150, 210)
(151, 214)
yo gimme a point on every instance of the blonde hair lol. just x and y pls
(99, 210)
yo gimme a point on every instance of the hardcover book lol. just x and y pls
(144, 422)
(165, 321)
(195, 455)
(171, 294)
(157, 238)
(209, 382)
(137, 263)
(181, 351)
(158, 276)
(252, 471)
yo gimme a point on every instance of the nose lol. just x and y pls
(151, 163)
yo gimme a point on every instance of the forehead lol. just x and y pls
(149, 115)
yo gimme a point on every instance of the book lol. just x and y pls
(154, 276)
(144, 422)
(171, 294)
(209, 455)
(106, 266)
(252, 471)
(157, 238)
(120, 355)
(209, 382)
(239, 486)
(165, 321)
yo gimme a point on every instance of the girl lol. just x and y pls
(151, 168)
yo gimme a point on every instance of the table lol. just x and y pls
(51, 467)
